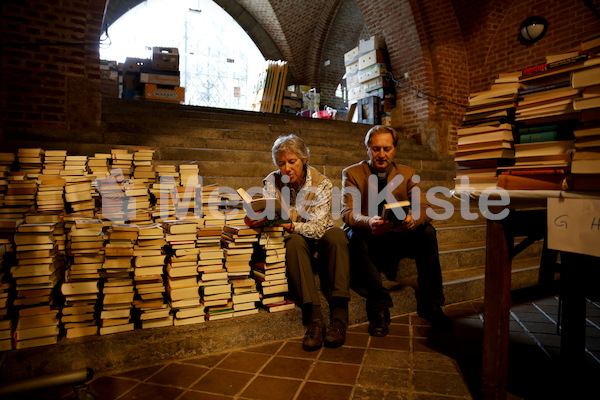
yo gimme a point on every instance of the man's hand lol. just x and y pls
(407, 225)
(254, 223)
(380, 226)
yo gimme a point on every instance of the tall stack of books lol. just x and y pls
(150, 258)
(238, 245)
(269, 269)
(36, 276)
(5, 304)
(546, 118)
(486, 136)
(182, 265)
(117, 293)
(586, 156)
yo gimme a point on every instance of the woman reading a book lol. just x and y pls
(310, 231)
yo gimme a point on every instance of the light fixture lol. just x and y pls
(533, 29)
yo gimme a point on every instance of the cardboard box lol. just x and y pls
(351, 56)
(352, 80)
(160, 79)
(165, 58)
(373, 43)
(372, 72)
(164, 93)
(292, 95)
(371, 58)
(136, 64)
(355, 93)
(352, 68)
(377, 83)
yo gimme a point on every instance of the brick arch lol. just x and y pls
(319, 39)
(424, 40)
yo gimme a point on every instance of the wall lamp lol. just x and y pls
(533, 29)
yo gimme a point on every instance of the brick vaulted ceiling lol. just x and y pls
(295, 31)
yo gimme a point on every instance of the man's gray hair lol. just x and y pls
(292, 143)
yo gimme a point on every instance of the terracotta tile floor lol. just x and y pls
(412, 363)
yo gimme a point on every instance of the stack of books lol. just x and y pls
(118, 288)
(121, 162)
(189, 175)
(210, 201)
(5, 304)
(31, 161)
(78, 195)
(238, 244)
(20, 192)
(113, 200)
(54, 162)
(79, 310)
(269, 269)
(150, 259)
(36, 276)
(142, 165)
(166, 172)
(137, 200)
(75, 166)
(182, 267)
(485, 139)
(99, 165)
(216, 294)
(50, 194)
(586, 156)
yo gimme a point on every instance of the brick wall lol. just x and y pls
(48, 82)
(449, 48)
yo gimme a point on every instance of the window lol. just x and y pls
(219, 63)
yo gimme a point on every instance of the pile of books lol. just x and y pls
(148, 274)
(36, 275)
(5, 303)
(238, 244)
(182, 267)
(269, 270)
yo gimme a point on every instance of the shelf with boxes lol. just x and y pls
(155, 79)
(367, 67)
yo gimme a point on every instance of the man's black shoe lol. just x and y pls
(313, 339)
(379, 323)
(436, 316)
(336, 333)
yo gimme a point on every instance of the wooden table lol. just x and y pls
(527, 217)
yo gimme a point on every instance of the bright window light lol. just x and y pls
(219, 63)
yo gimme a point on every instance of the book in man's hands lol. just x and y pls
(276, 211)
(396, 212)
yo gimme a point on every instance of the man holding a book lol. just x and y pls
(310, 231)
(378, 243)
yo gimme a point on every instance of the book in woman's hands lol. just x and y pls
(396, 212)
(276, 212)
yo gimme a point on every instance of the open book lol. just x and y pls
(276, 212)
(396, 212)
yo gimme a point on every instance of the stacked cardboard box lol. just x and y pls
(367, 81)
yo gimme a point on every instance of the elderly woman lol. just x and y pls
(311, 231)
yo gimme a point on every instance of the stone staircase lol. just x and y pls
(232, 148)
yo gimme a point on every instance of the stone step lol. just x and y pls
(143, 347)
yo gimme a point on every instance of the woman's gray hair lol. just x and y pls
(292, 143)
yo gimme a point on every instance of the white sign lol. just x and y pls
(574, 226)
(237, 92)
